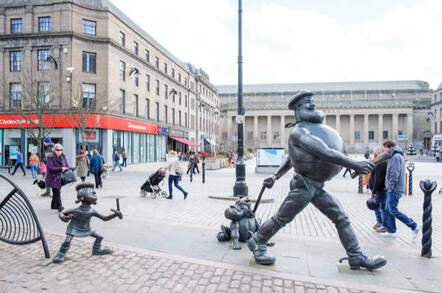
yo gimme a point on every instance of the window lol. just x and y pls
(371, 134)
(146, 55)
(148, 82)
(179, 118)
(185, 101)
(15, 58)
(89, 27)
(157, 110)
(16, 25)
(122, 70)
(191, 85)
(89, 62)
(173, 73)
(157, 87)
(179, 77)
(122, 101)
(385, 134)
(157, 62)
(179, 98)
(135, 48)
(88, 95)
(136, 79)
(185, 81)
(166, 93)
(122, 39)
(185, 119)
(42, 59)
(263, 135)
(357, 135)
(43, 94)
(44, 24)
(135, 105)
(173, 116)
(165, 113)
(165, 68)
(15, 95)
(146, 109)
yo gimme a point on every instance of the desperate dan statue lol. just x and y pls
(316, 153)
(80, 218)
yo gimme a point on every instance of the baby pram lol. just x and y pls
(152, 184)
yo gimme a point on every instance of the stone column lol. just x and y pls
(255, 130)
(352, 130)
(410, 128)
(338, 123)
(282, 134)
(395, 126)
(381, 129)
(228, 130)
(269, 131)
(366, 130)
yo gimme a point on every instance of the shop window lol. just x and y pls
(44, 24)
(89, 27)
(357, 135)
(385, 134)
(122, 101)
(15, 95)
(15, 58)
(42, 59)
(89, 62)
(89, 95)
(16, 25)
(371, 134)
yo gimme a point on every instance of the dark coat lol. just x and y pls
(53, 166)
(95, 164)
(377, 178)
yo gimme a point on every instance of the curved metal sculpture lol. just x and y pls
(427, 187)
(18, 222)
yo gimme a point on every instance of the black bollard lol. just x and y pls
(191, 172)
(204, 172)
(410, 169)
(360, 187)
(427, 187)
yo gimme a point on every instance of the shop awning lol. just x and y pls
(183, 140)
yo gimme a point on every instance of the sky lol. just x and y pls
(295, 41)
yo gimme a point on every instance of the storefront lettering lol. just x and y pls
(130, 125)
(16, 122)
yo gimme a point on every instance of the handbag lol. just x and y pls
(68, 177)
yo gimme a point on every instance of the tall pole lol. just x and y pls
(240, 188)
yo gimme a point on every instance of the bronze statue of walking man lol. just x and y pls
(317, 154)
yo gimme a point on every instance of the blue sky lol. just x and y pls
(288, 41)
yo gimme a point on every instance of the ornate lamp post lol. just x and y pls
(240, 188)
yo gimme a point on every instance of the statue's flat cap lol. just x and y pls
(297, 97)
(84, 185)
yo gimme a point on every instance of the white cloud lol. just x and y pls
(281, 44)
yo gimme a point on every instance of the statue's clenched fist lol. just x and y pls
(268, 182)
(364, 167)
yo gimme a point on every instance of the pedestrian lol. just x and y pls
(437, 155)
(34, 163)
(117, 161)
(96, 167)
(395, 185)
(43, 170)
(48, 146)
(195, 163)
(56, 164)
(190, 165)
(19, 163)
(377, 186)
(175, 173)
(124, 156)
(82, 165)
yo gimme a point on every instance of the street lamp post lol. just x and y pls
(240, 188)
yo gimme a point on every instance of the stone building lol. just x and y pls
(151, 101)
(364, 113)
(435, 116)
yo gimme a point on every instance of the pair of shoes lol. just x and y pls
(362, 261)
(376, 226)
(415, 232)
(169, 197)
(381, 229)
(185, 195)
(260, 252)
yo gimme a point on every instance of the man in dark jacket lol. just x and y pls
(395, 185)
(377, 187)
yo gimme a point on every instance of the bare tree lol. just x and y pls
(30, 100)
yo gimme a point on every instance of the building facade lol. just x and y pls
(88, 52)
(435, 116)
(364, 113)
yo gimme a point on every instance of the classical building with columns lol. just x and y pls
(364, 113)
(435, 115)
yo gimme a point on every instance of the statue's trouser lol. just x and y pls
(304, 190)
(65, 246)
(97, 242)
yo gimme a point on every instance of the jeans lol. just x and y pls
(394, 213)
(117, 163)
(174, 180)
(33, 169)
(16, 167)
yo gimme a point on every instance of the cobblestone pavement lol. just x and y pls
(23, 269)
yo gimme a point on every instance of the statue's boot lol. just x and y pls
(372, 263)
(58, 258)
(260, 252)
(97, 250)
